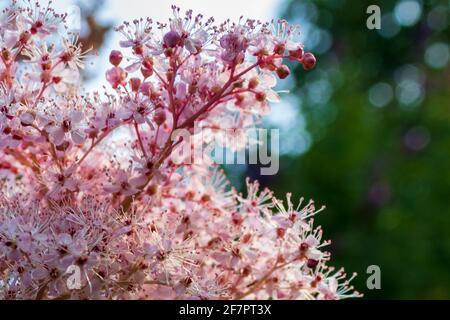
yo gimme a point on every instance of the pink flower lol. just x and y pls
(124, 184)
(67, 126)
(61, 183)
(234, 45)
(138, 109)
(116, 76)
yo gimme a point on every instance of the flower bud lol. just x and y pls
(115, 57)
(239, 99)
(138, 49)
(170, 75)
(283, 71)
(147, 63)
(311, 263)
(152, 189)
(47, 65)
(171, 39)
(216, 89)
(308, 61)
(135, 83)
(281, 232)
(159, 117)
(146, 72)
(296, 54)
(56, 79)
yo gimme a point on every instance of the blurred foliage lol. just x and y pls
(377, 111)
(93, 33)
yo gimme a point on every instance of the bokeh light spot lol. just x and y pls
(408, 12)
(437, 55)
(389, 27)
(381, 94)
(417, 138)
(409, 92)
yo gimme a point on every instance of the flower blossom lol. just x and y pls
(89, 181)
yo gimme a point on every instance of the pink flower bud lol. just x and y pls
(146, 72)
(147, 63)
(115, 57)
(312, 263)
(171, 39)
(159, 117)
(296, 54)
(135, 83)
(308, 61)
(283, 71)
(56, 79)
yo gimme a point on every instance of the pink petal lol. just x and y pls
(78, 137)
(57, 136)
(138, 181)
(133, 67)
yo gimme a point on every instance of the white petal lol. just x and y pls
(133, 67)
(272, 96)
(57, 136)
(78, 137)
(76, 116)
(138, 181)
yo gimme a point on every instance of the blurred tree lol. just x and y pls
(377, 111)
(93, 33)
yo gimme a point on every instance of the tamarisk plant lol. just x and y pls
(87, 179)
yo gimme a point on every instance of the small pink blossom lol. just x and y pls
(116, 76)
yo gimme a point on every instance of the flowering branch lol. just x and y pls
(89, 182)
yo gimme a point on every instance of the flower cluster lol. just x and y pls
(87, 181)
